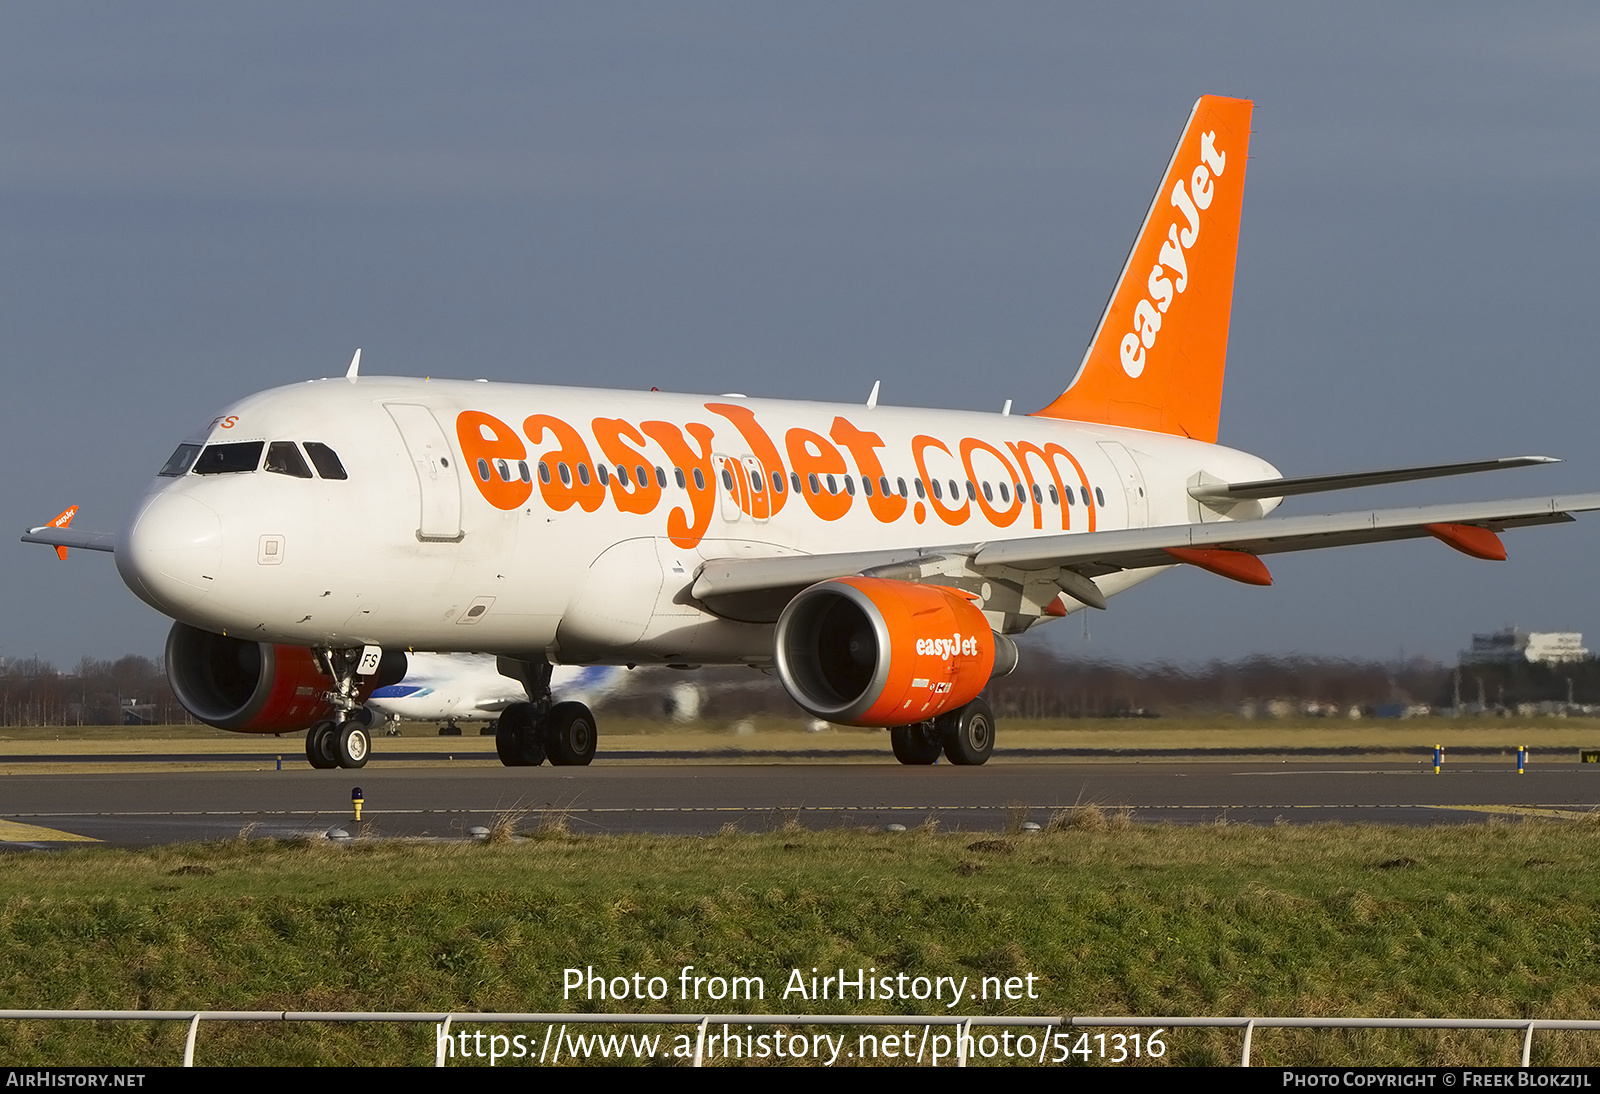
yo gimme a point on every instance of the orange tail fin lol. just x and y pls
(61, 522)
(1157, 358)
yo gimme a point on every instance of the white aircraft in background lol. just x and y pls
(468, 687)
(877, 558)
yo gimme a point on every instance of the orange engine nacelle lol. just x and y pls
(252, 687)
(873, 652)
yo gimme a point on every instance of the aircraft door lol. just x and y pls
(440, 518)
(758, 490)
(1132, 480)
(731, 487)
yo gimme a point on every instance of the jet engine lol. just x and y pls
(874, 652)
(257, 687)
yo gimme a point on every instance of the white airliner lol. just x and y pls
(468, 687)
(877, 558)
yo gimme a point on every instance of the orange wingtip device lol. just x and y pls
(1234, 565)
(1469, 539)
(61, 522)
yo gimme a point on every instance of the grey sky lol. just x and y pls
(199, 201)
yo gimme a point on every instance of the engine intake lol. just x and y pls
(255, 687)
(875, 652)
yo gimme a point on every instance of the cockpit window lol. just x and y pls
(283, 458)
(180, 461)
(223, 459)
(325, 460)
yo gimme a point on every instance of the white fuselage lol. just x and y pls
(417, 549)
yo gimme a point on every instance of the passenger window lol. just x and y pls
(901, 483)
(504, 469)
(661, 478)
(283, 458)
(583, 474)
(988, 495)
(1055, 499)
(325, 460)
(600, 470)
(522, 471)
(938, 492)
(677, 473)
(850, 486)
(544, 472)
(1005, 493)
(699, 479)
(180, 461)
(565, 473)
(483, 469)
(811, 481)
(227, 459)
(1099, 498)
(777, 482)
(866, 486)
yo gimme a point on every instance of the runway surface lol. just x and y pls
(441, 800)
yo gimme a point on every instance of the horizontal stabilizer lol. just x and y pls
(1316, 484)
(69, 537)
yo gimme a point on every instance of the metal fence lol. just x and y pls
(963, 1040)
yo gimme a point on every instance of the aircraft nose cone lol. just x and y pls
(170, 552)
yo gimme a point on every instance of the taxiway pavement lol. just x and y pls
(446, 800)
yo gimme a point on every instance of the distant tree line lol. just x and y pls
(129, 689)
(134, 689)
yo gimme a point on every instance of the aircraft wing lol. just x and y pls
(70, 537)
(1220, 547)
(1140, 547)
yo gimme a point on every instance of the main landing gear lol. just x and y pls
(965, 736)
(346, 743)
(527, 734)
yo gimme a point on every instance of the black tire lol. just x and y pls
(569, 735)
(915, 745)
(968, 734)
(516, 737)
(320, 747)
(353, 743)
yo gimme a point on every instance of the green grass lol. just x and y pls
(1500, 921)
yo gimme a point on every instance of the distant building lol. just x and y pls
(1512, 646)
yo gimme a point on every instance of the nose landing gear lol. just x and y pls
(346, 743)
(347, 740)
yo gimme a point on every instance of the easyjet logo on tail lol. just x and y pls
(1191, 202)
(1157, 357)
